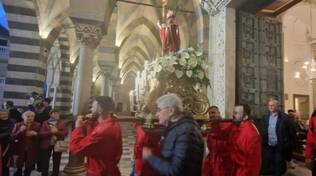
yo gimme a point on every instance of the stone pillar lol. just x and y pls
(85, 66)
(105, 89)
(88, 36)
(222, 55)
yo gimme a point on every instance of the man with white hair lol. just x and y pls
(182, 143)
(277, 136)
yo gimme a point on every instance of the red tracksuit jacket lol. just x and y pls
(246, 149)
(218, 161)
(311, 137)
(142, 167)
(102, 146)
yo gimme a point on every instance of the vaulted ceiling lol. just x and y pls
(129, 27)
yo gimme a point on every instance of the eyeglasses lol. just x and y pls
(160, 109)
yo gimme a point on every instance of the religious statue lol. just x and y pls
(169, 34)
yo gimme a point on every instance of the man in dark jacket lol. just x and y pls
(6, 127)
(182, 143)
(277, 135)
(14, 114)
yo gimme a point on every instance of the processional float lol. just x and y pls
(183, 72)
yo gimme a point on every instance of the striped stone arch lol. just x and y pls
(26, 66)
(134, 24)
(132, 72)
(133, 51)
(138, 62)
(133, 58)
(129, 64)
(153, 48)
(46, 22)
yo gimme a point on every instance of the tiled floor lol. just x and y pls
(128, 142)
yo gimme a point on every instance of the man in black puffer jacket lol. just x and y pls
(182, 143)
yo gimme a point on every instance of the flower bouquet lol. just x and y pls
(184, 73)
(187, 64)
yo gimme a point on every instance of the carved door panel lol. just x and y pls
(259, 61)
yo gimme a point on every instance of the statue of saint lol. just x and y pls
(169, 34)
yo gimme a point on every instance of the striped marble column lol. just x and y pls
(26, 71)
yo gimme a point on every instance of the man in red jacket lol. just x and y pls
(311, 144)
(102, 145)
(246, 143)
(218, 161)
(143, 139)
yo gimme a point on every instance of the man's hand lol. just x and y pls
(308, 163)
(146, 152)
(22, 128)
(31, 133)
(53, 129)
(80, 121)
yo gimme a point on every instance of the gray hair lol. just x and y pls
(170, 100)
(274, 101)
(26, 112)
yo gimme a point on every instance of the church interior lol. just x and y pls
(74, 50)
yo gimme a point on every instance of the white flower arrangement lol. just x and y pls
(187, 64)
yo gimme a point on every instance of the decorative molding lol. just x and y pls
(89, 35)
(213, 7)
(219, 62)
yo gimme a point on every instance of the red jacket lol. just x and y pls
(246, 149)
(142, 167)
(27, 146)
(102, 147)
(45, 133)
(218, 161)
(0, 161)
(311, 137)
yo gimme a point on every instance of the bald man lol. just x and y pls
(277, 136)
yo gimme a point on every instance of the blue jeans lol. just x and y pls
(314, 167)
(133, 173)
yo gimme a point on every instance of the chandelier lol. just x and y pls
(309, 66)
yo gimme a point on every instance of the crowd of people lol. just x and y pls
(236, 147)
(28, 138)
